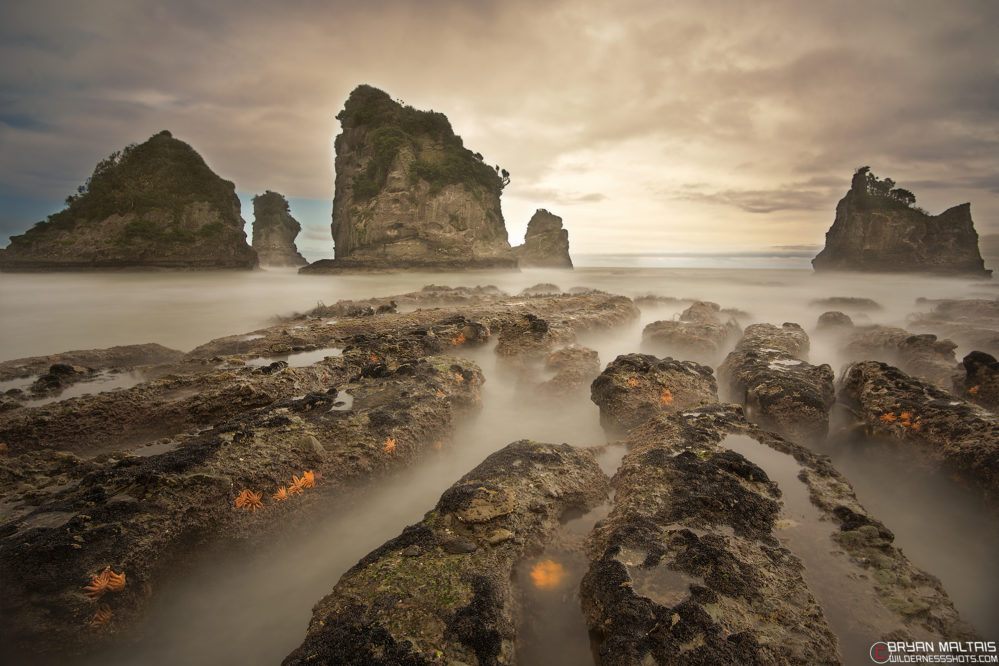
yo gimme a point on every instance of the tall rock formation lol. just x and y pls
(546, 243)
(274, 231)
(152, 205)
(877, 230)
(409, 195)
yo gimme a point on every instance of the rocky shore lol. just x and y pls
(722, 536)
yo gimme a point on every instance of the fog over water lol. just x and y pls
(252, 605)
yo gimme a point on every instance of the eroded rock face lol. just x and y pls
(699, 335)
(409, 195)
(546, 243)
(156, 205)
(635, 387)
(782, 391)
(881, 233)
(956, 434)
(441, 591)
(697, 556)
(274, 231)
(979, 381)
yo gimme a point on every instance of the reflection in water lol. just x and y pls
(296, 360)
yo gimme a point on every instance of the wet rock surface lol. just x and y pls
(956, 434)
(574, 367)
(699, 334)
(766, 372)
(441, 591)
(126, 356)
(922, 355)
(692, 565)
(635, 387)
(979, 379)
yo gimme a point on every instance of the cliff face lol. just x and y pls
(156, 204)
(876, 230)
(546, 243)
(409, 195)
(274, 231)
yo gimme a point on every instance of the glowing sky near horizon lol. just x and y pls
(650, 127)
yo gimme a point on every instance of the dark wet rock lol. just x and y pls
(979, 381)
(183, 498)
(877, 230)
(833, 320)
(447, 604)
(274, 231)
(956, 434)
(541, 289)
(698, 335)
(546, 243)
(851, 303)
(408, 194)
(151, 205)
(126, 356)
(636, 386)
(692, 565)
(574, 367)
(922, 355)
(973, 323)
(780, 390)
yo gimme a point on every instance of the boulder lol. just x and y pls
(833, 320)
(780, 389)
(546, 243)
(698, 335)
(922, 355)
(152, 205)
(876, 229)
(274, 231)
(979, 381)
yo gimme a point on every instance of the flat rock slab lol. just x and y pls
(694, 564)
(766, 373)
(956, 434)
(635, 387)
(67, 518)
(441, 591)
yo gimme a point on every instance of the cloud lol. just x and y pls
(585, 103)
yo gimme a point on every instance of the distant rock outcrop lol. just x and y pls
(876, 229)
(274, 231)
(152, 205)
(409, 195)
(546, 243)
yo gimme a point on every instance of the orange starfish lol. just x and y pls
(374, 358)
(441, 394)
(888, 418)
(460, 377)
(101, 617)
(666, 398)
(249, 500)
(389, 446)
(116, 582)
(98, 584)
(308, 479)
(974, 390)
(633, 382)
(459, 339)
(297, 485)
(281, 495)
(905, 417)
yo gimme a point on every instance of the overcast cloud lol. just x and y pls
(648, 126)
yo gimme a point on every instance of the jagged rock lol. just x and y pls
(782, 391)
(922, 355)
(979, 382)
(155, 205)
(574, 367)
(876, 230)
(833, 320)
(698, 335)
(635, 387)
(693, 565)
(274, 231)
(409, 195)
(546, 243)
(441, 591)
(956, 434)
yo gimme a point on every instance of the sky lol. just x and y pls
(674, 131)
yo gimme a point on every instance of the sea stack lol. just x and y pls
(546, 243)
(877, 230)
(409, 196)
(151, 205)
(274, 231)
